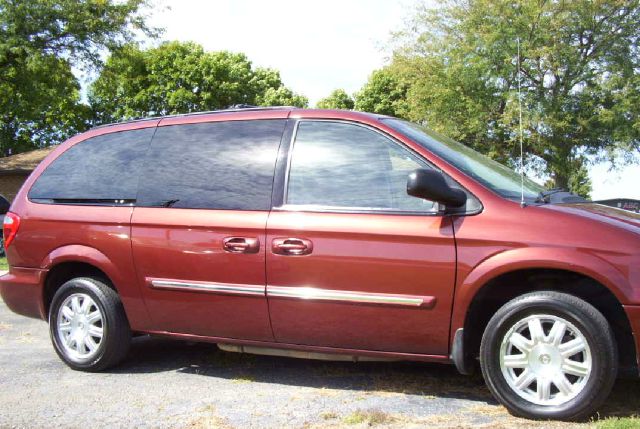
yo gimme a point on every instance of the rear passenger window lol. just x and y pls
(102, 169)
(348, 166)
(217, 165)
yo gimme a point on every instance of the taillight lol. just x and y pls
(10, 228)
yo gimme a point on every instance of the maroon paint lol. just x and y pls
(383, 254)
(371, 253)
(188, 245)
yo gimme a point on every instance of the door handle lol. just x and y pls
(291, 246)
(241, 245)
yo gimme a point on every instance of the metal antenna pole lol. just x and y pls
(522, 203)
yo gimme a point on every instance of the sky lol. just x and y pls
(318, 47)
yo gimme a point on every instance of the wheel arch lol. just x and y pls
(71, 261)
(503, 277)
(62, 272)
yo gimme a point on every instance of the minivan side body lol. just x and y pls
(262, 256)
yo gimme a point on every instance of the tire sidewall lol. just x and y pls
(86, 286)
(503, 321)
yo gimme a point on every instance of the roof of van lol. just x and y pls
(238, 109)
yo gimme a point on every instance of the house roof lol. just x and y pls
(23, 162)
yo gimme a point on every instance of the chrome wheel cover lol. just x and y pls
(545, 360)
(80, 327)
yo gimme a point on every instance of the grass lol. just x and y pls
(619, 423)
(4, 266)
(368, 417)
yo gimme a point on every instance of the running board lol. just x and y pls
(298, 354)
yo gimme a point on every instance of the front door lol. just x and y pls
(352, 260)
(198, 231)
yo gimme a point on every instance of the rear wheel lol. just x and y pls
(88, 326)
(549, 355)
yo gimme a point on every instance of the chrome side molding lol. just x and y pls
(196, 286)
(305, 293)
(316, 294)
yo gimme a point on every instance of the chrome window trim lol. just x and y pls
(211, 287)
(316, 294)
(333, 209)
(308, 208)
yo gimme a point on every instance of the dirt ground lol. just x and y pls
(176, 384)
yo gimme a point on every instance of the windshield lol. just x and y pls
(490, 173)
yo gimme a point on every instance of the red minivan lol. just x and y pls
(316, 233)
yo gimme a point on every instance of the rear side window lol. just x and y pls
(216, 165)
(102, 169)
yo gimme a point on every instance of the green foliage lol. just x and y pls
(181, 77)
(39, 42)
(39, 104)
(385, 93)
(580, 78)
(281, 96)
(579, 182)
(338, 99)
(619, 423)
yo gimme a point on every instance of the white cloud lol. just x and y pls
(624, 183)
(317, 46)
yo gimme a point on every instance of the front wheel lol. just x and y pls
(549, 355)
(88, 325)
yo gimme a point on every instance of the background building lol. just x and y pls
(15, 169)
(622, 203)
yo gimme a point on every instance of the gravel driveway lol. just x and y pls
(176, 384)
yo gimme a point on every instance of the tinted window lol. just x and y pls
(4, 205)
(218, 165)
(105, 167)
(350, 166)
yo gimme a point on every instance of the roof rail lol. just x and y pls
(232, 108)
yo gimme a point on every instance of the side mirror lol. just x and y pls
(431, 185)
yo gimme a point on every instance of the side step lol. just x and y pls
(268, 351)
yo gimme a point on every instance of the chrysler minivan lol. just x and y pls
(326, 234)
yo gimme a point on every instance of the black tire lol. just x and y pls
(116, 333)
(590, 323)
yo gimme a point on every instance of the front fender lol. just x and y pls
(574, 260)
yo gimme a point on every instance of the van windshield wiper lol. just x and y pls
(168, 203)
(559, 195)
(545, 196)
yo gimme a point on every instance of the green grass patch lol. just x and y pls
(368, 417)
(4, 266)
(619, 423)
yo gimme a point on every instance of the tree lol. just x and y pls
(40, 40)
(579, 78)
(178, 77)
(384, 93)
(39, 104)
(338, 99)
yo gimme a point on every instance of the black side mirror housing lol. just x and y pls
(431, 185)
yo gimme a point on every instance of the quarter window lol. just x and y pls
(102, 169)
(216, 165)
(349, 166)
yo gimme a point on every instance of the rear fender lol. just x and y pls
(125, 285)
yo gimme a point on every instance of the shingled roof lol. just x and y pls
(23, 163)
